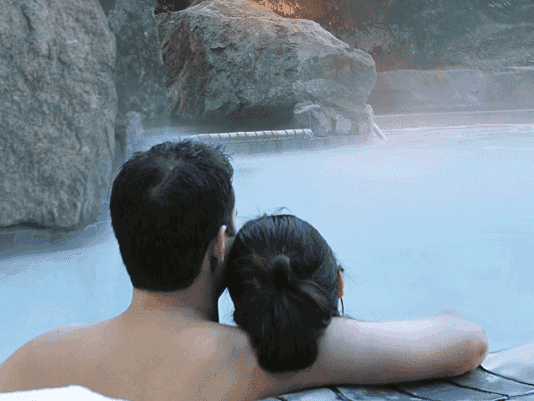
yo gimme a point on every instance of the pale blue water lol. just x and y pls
(433, 219)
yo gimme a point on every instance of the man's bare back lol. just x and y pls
(154, 360)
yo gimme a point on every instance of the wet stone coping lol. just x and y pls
(479, 385)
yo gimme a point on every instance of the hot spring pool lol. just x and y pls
(433, 219)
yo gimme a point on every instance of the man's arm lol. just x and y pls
(353, 352)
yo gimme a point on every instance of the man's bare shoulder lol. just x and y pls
(66, 333)
(42, 354)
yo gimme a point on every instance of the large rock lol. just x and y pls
(413, 90)
(140, 73)
(58, 107)
(232, 63)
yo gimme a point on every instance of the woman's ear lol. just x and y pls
(340, 285)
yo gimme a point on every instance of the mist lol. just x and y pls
(433, 219)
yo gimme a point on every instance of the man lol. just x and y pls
(173, 213)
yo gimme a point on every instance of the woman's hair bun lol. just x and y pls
(282, 278)
(282, 275)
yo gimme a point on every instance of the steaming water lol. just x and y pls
(433, 219)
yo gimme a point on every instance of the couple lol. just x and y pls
(173, 213)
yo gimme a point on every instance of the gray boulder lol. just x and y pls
(58, 110)
(413, 90)
(231, 63)
(140, 73)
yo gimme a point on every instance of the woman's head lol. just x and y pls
(283, 279)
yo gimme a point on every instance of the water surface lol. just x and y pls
(432, 219)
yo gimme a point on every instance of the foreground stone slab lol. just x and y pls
(479, 385)
(516, 363)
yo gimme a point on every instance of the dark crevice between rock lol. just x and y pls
(243, 119)
(339, 395)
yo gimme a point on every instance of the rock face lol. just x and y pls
(76, 87)
(58, 109)
(140, 73)
(473, 42)
(491, 47)
(231, 63)
(412, 90)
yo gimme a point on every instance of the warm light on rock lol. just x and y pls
(278, 7)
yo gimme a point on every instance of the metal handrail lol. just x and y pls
(250, 136)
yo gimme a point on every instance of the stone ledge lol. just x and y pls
(412, 91)
(256, 141)
(20, 240)
(454, 118)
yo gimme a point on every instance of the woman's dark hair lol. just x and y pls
(282, 278)
(167, 205)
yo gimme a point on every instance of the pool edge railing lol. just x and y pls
(253, 136)
(252, 141)
(268, 135)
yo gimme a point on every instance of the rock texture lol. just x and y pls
(490, 47)
(79, 80)
(462, 39)
(232, 63)
(58, 109)
(139, 74)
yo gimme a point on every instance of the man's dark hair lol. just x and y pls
(167, 205)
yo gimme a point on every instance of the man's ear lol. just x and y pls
(220, 244)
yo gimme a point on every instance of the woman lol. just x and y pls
(285, 283)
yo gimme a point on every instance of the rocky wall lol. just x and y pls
(78, 79)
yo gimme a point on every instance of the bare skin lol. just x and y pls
(169, 347)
